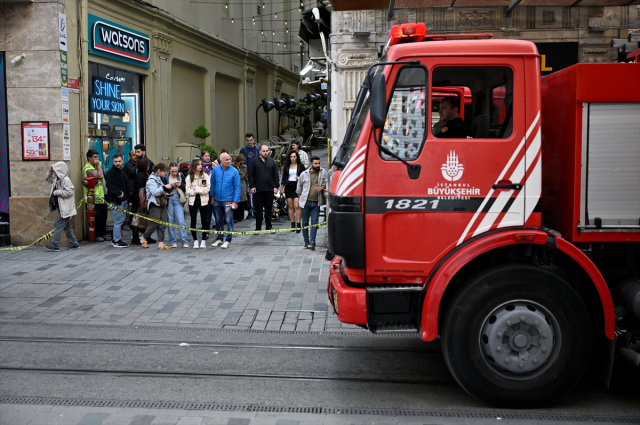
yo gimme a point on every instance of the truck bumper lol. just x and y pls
(349, 303)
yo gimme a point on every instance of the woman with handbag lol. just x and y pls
(175, 207)
(139, 182)
(157, 192)
(197, 188)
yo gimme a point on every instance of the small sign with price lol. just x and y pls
(35, 140)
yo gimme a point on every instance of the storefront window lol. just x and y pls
(118, 131)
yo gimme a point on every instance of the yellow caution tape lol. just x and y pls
(248, 232)
(41, 239)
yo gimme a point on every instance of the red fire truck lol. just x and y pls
(519, 245)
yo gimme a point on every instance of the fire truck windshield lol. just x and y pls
(358, 117)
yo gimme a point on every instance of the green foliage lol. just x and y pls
(204, 147)
(201, 133)
(292, 131)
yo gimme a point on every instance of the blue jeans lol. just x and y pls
(119, 218)
(176, 216)
(310, 209)
(223, 211)
(250, 205)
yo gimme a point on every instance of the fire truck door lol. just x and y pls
(466, 186)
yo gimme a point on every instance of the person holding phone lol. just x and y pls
(174, 207)
(197, 189)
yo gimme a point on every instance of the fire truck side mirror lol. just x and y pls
(378, 101)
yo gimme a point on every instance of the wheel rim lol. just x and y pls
(519, 340)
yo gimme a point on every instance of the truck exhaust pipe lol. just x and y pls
(631, 356)
(628, 294)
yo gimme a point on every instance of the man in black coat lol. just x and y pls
(119, 195)
(453, 127)
(263, 181)
(131, 171)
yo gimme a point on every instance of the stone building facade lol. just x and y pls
(358, 35)
(202, 63)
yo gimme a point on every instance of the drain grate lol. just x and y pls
(317, 410)
(357, 333)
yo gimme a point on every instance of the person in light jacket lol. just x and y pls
(156, 190)
(62, 192)
(197, 187)
(311, 185)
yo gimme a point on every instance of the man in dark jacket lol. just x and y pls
(264, 182)
(131, 170)
(453, 126)
(119, 194)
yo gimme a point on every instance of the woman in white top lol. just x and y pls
(197, 187)
(290, 174)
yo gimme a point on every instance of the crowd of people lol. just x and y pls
(220, 191)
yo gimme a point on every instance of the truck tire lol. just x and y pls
(517, 336)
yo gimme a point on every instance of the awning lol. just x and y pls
(309, 26)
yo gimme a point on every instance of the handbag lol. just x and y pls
(142, 196)
(162, 200)
(53, 202)
(183, 198)
(140, 222)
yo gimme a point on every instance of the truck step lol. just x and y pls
(387, 329)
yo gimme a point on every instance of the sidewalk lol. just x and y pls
(266, 281)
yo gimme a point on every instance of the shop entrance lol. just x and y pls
(115, 130)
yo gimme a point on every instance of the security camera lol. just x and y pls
(17, 59)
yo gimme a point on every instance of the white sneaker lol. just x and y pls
(216, 244)
(195, 244)
(225, 245)
(203, 244)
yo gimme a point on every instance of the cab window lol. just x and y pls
(488, 114)
(404, 129)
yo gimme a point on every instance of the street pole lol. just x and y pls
(257, 131)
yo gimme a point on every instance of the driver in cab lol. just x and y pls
(453, 127)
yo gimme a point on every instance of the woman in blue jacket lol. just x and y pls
(290, 175)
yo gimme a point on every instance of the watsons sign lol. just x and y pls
(117, 42)
(106, 97)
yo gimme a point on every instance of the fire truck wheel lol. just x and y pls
(517, 336)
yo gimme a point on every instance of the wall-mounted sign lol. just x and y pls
(106, 97)
(556, 56)
(65, 105)
(74, 85)
(35, 140)
(62, 31)
(66, 143)
(114, 41)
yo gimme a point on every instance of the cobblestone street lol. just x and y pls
(268, 281)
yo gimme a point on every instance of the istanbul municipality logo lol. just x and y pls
(452, 170)
(118, 41)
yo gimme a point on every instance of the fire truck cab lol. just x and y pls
(454, 236)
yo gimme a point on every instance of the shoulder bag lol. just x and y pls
(140, 222)
(142, 196)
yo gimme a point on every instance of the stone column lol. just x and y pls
(250, 102)
(33, 94)
(162, 47)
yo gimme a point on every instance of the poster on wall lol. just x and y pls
(66, 143)
(65, 105)
(35, 140)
